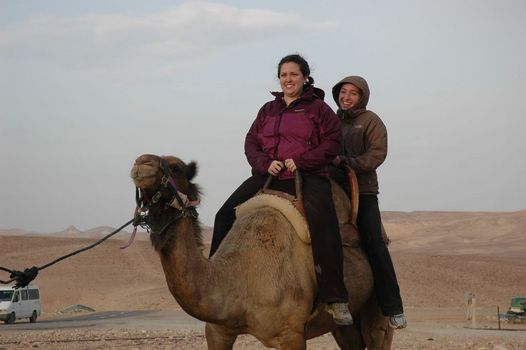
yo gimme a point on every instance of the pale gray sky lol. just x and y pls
(87, 86)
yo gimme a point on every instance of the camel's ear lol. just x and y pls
(191, 170)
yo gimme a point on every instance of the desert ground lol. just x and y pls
(439, 256)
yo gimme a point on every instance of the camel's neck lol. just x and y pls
(187, 271)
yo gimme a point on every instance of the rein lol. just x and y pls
(23, 278)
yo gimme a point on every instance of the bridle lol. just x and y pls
(184, 206)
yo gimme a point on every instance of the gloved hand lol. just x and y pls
(24, 278)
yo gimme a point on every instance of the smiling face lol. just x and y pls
(349, 96)
(291, 80)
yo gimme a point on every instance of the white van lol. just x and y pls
(19, 303)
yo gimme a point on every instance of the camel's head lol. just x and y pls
(165, 181)
(165, 195)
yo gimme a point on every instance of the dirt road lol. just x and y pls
(175, 330)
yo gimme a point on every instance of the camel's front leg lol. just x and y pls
(293, 342)
(219, 337)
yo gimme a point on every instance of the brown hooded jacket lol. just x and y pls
(364, 137)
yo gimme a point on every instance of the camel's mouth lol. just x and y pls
(144, 174)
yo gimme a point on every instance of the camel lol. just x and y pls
(261, 280)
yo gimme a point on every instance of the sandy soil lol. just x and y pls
(438, 257)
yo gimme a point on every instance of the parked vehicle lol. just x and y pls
(517, 305)
(517, 310)
(19, 303)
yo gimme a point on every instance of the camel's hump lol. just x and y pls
(281, 204)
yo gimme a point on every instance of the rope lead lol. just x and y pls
(23, 278)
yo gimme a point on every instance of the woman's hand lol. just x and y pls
(291, 166)
(275, 167)
(337, 161)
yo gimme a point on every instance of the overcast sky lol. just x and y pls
(87, 86)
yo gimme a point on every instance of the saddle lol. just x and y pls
(293, 209)
(290, 206)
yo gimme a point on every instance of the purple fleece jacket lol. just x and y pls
(306, 131)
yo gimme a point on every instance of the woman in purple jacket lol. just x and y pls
(297, 130)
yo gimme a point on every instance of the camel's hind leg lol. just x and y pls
(348, 337)
(375, 327)
(219, 338)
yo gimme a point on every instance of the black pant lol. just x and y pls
(323, 224)
(369, 224)
(385, 283)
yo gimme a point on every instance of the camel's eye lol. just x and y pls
(176, 168)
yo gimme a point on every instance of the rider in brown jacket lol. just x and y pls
(364, 150)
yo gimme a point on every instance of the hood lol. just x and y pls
(357, 81)
(319, 93)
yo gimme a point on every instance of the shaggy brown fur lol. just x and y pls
(261, 280)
